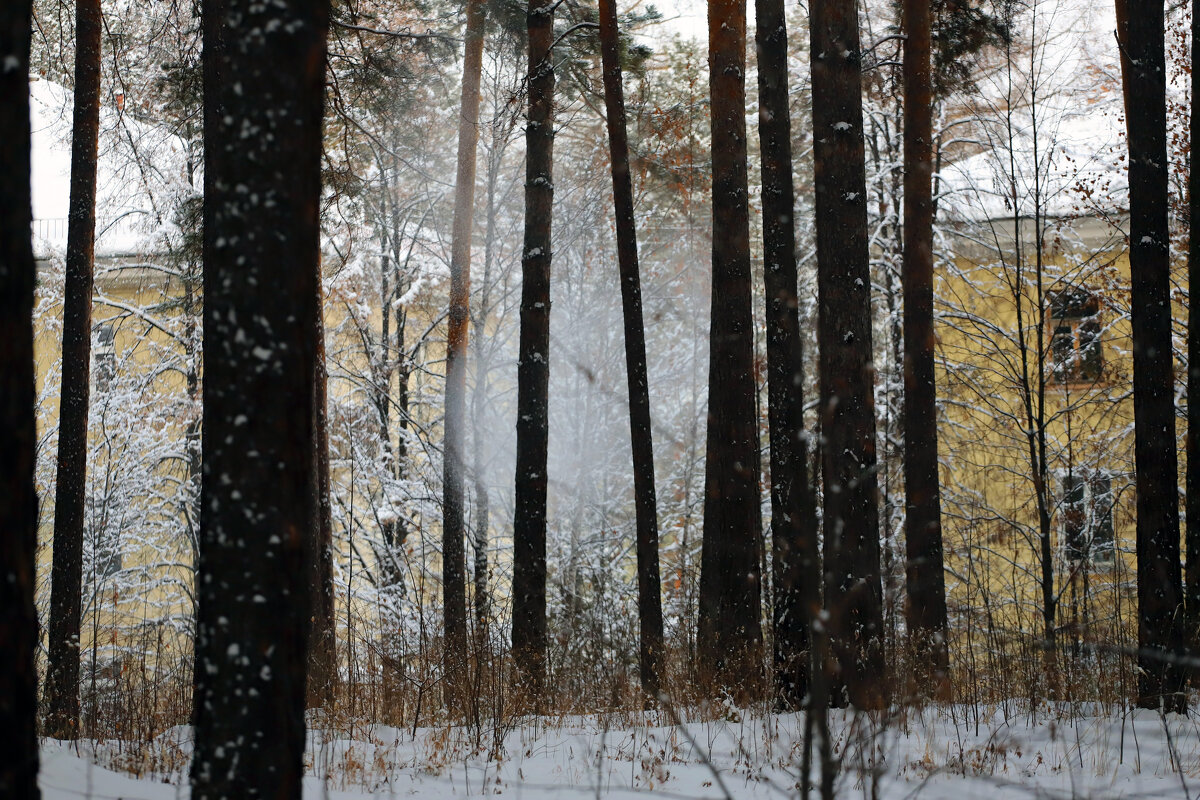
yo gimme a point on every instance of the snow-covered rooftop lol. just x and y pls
(138, 169)
(1051, 130)
(1068, 165)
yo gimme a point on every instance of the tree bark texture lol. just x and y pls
(853, 588)
(1192, 481)
(322, 647)
(454, 577)
(793, 519)
(533, 369)
(730, 633)
(926, 608)
(650, 645)
(66, 574)
(264, 80)
(18, 431)
(1159, 584)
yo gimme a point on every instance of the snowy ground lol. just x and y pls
(945, 754)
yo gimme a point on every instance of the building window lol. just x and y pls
(104, 356)
(1075, 336)
(1087, 516)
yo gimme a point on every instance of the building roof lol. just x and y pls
(140, 171)
(1051, 132)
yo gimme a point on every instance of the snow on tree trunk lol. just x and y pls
(18, 433)
(264, 78)
(62, 672)
(853, 589)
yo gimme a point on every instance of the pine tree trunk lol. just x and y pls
(730, 633)
(926, 609)
(454, 579)
(793, 518)
(650, 651)
(322, 648)
(62, 671)
(853, 588)
(1192, 540)
(18, 431)
(1160, 590)
(533, 369)
(264, 71)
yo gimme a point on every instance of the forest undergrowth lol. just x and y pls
(1015, 720)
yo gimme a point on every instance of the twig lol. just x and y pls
(704, 759)
(571, 30)
(350, 26)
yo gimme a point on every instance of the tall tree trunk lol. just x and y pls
(533, 369)
(264, 71)
(793, 519)
(1160, 589)
(1192, 541)
(479, 398)
(730, 632)
(454, 579)
(322, 643)
(66, 574)
(926, 609)
(18, 430)
(650, 650)
(853, 588)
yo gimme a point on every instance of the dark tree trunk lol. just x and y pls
(479, 550)
(793, 518)
(853, 588)
(1192, 578)
(454, 578)
(264, 71)
(66, 575)
(322, 643)
(926, 609)
(1160, 589)
(730, 633)
(533, 369)
(650, 651)
(18, 432)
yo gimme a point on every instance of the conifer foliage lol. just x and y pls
(533, 371)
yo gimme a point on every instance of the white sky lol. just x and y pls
(686, 17)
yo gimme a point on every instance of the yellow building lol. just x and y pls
(144, 427)
(1036, 431)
